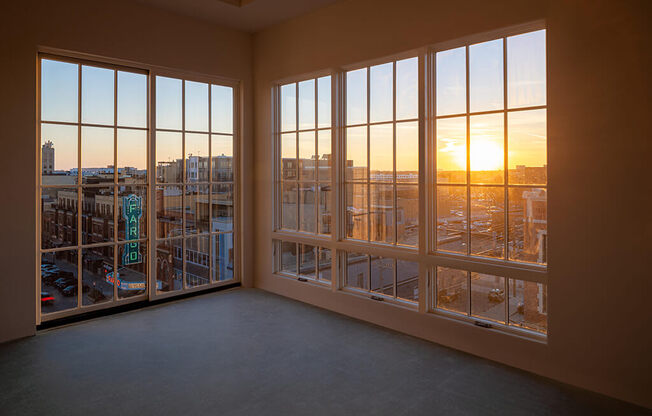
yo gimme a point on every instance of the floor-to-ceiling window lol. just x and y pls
(93, 124)
(122, 217)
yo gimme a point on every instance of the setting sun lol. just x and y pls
(486, 154)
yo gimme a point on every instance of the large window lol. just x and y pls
(305, 156)
(122, 217)
(194, 184)
(482, 134)
(490, 131)
(93, 184)
(382, 153)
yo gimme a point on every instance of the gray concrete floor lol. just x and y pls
(248, 352)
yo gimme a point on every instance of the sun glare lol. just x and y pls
(486, 155)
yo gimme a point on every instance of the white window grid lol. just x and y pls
(426, 255)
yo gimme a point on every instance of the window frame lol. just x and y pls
(425, 255)
(150, 71)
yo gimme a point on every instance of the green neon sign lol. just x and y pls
(132, 211)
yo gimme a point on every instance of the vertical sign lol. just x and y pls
(132, 211)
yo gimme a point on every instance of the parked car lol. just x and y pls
(69, 290)
(46, 298)
(520, 308)
(446, 297)
(63, 282)
(496, 295)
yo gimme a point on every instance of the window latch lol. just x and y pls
(302, 279)
(378, 298)
(482, 324)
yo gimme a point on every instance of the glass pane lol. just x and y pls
(407, 280)
(221, 109)
(97, 268)
(97, 158)
(196, 110)
(58, 154)
(132, 99)
(382, 275)
(452, 290)
(132, 214)
(324, 208)
(528, 225)
(356, 153)
(357, 270)
(307, 105)
(488, 296)
(324, 101)
(59, 91)
(526, 69)
(407, 88)
(59, 217)
(197, 261)
(168, 103)
(451, 150)
(381, 92)
(486, 75)
(289, 212)
(222, 160)
(58, 281)
(132, 270)
(288, 257)
(222, 256)
(169, 265)
(407, 152)
(488, 221)
(487, 149)
(356, 211)
(381, 153)
(528, 305)
(325, 264)
(222, 208)
(97, 215)
(452, 219)
(307, 264)
(289, 156)
(97, 95)
(169, 211)
(451, 82)
(307, 207)
(196, 157)
(169, 157)
(132, 156)
(324, 159)
(289, 107)
(527, 159)
(407, 215)
(382, 213)
(356, 97)
(197, 220)
(307, 155)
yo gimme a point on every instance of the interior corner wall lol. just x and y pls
(599, 200)
(116, 29)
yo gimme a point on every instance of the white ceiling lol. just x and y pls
(252, 16)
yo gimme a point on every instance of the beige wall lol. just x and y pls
(115, 29)
(599, 192)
